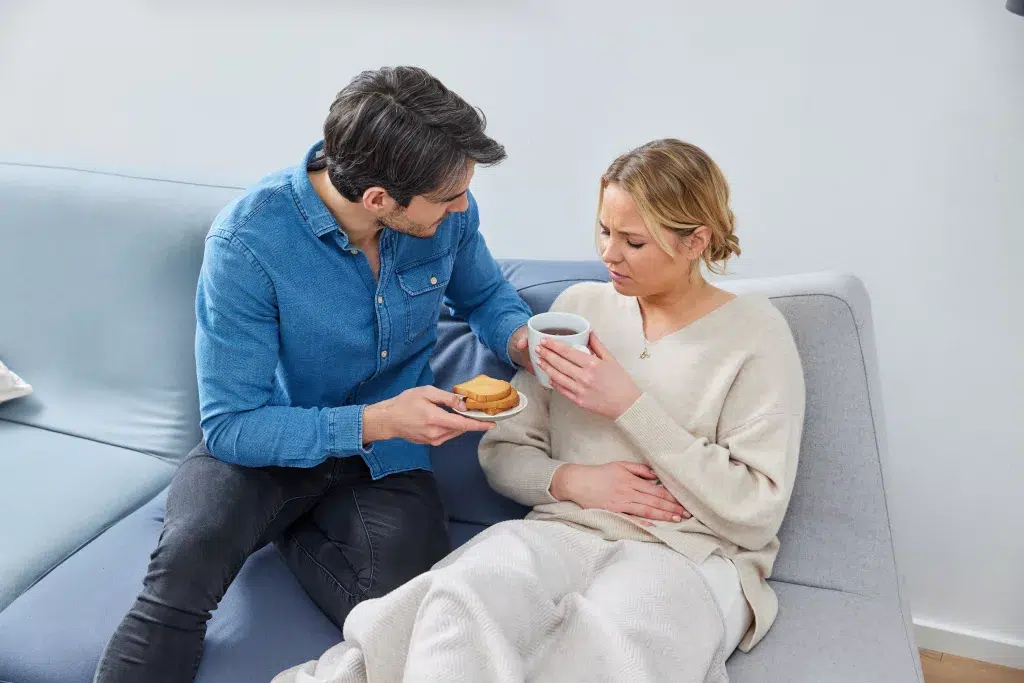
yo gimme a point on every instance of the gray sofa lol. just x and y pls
(97, 279)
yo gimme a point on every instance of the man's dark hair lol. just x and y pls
(401, 129)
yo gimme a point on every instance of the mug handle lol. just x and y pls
(582, 347)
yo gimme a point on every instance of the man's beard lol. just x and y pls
(398, 221)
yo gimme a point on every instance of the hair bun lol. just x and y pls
(724, 242)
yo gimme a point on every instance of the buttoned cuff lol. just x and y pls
(345, 431)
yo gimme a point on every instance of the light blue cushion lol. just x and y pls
(57, 493)
(97, 292)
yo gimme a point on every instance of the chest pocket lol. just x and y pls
(423, 286)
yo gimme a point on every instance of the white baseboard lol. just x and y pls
(984, 647)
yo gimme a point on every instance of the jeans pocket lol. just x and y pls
(423, 285)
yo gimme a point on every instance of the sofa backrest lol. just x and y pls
(96, 303)
(836, 533)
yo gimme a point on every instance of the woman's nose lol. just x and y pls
(610, 254)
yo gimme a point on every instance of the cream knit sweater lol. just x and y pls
(719, 422)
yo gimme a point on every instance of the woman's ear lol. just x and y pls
(697, 243)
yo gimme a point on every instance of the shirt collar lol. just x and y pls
(316, 213)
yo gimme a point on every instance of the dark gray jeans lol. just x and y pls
(345, 536)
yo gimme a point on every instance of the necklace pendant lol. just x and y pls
(645, 355)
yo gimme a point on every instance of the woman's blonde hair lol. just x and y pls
(678, 188)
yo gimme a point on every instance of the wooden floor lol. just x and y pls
(942, 668)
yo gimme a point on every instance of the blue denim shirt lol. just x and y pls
(295, 335)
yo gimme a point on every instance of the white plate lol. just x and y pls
(481, 415)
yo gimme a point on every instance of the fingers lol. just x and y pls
(668, 501)
(443, 398)
(640, 520)
(444, 428)
(565, 357)
(445, 435)
(675, 506)
(552, 358)
(647, 488)
(639, 469)
(459, 423)
(564, 383)
(598, 347)
(648, 511)
(669, 506)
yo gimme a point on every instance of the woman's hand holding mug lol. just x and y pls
(570, 329)
(594, 381)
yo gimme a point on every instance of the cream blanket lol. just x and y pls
(535, 601)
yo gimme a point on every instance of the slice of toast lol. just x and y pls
(494, 407)
(484, 389)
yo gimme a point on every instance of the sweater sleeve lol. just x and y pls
(516, 454)
(740, 486)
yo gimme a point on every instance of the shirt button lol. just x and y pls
(433, 280)
(353, 251)
(383, 354)
(380, 299)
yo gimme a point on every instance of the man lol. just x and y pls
(316, 313)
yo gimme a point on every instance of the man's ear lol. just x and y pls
(377, 200)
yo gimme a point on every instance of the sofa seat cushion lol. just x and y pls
(828, 636)
(463, 531)
(56, 631)
(57, 493)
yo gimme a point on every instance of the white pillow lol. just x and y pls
(12, 386)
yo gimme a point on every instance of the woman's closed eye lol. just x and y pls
(635, 245)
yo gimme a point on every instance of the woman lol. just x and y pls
(659, 469)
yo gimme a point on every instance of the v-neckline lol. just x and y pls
(698, 322)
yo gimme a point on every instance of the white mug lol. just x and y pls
(579, 339)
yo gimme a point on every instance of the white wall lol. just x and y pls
(884, 138)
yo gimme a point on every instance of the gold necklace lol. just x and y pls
(647, 349)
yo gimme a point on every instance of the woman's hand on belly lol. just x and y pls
(624, 487)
